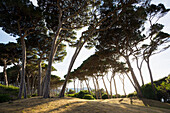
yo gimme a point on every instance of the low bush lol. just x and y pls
(70, 95)
(105, 96)
(88, 96)
(82, 93)
(4, 98)
(134, 94)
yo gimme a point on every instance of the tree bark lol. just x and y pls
(5, 73)
(74, 85)
(39, 77)
(46, 90)
(115, 86)
(28, 85)
(105, 87)
(138, 88)
(87, 87)
(139, 68)
(151, 77)
(23, 69)
(95, 89)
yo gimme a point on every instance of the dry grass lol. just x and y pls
(74, 105)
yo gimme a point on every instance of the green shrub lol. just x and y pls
(105, 96)
(134, 94)
(70, 95)
(88, 96)
(71, 91)
(148, 92)
(4, 97)
(34, 95)
(82, 93)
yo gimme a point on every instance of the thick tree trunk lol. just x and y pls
(39, 77)
(138, 88)
(23, 70)
(46, 90)
(95, 89)
(5, 73)
(105, 87)
(115, 86)
(151, 77)
(87, 87)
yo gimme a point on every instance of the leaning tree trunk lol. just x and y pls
(139, 68)
(5, 73)
(151, 77)
(87, 87)
(105, 87)
(115, 86)
(70, 67)
(22, 83)
(98, 88)
(138, 88)
(46, 90)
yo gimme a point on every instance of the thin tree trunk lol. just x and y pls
(39, 77)
(138, 88)
(74, 86)
(46, 90)
(98, 88)
(70, 67)
(122, 80)
(95, 89)
(151, 77)
(5, 73)
(23, 69)
(115, 86)
(139, 68)
(28, 85)
(105, 87)
(87, 87)
(111, 88)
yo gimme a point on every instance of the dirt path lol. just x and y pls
(74, 105)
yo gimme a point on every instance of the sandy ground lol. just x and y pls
(75, 105)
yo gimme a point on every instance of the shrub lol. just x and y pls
(148, 92)
(82, 93)
(105, 96)
(70, 95)
(71, 91)
(4, 97)
(134, 94)
(88, 96)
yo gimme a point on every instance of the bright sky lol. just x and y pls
(160, 63)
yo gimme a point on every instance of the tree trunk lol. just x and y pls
(5, 73)
(139, 68)
(39, 77)
(95, 89)
(87, 87)
(98, 88)
(74, 86)
(28, 85)
(138, 88)
(115, 86)
(46, 90)
(23, 69)
(111, 88)
(105, 87)
(151, 77)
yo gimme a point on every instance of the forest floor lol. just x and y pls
(75, 105)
